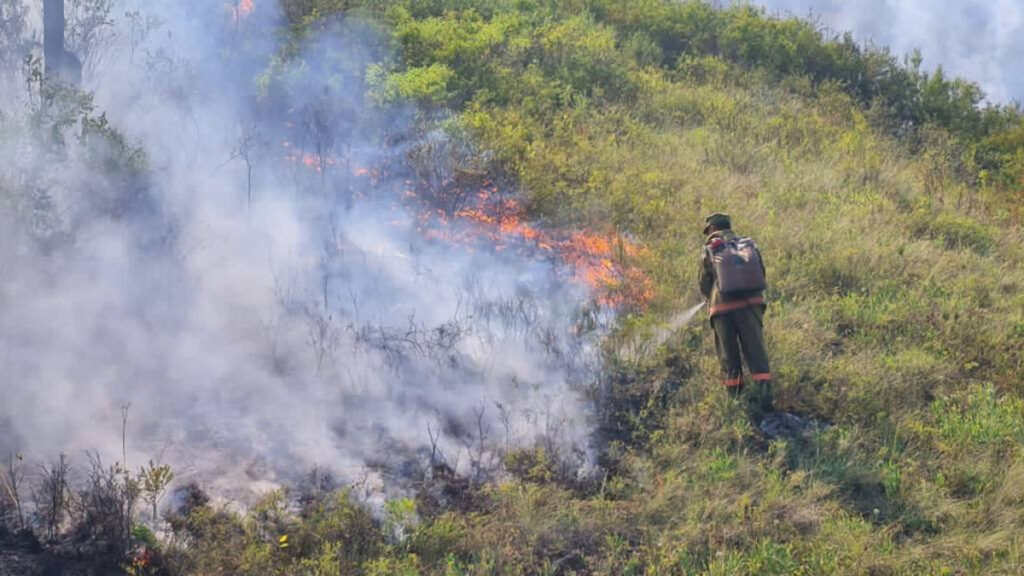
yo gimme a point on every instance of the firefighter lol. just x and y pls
(736, 317)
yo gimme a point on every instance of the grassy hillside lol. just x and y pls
(887, 203)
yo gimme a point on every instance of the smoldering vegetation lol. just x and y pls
(222, 252)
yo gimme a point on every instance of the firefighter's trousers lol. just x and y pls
(739, 334)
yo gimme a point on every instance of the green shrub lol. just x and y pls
(958, 232)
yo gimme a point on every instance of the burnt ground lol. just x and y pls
(21, 554)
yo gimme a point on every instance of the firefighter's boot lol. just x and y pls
(766, 399)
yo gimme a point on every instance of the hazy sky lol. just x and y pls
(982, 40)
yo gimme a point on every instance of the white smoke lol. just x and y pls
(979, 40)
(260, 322)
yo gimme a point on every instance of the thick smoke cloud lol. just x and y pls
(979, 40)
(264, 300)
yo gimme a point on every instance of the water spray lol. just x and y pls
(684, 318)
(642, 343)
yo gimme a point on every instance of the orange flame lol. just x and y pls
(311, 161)
(242, 8)
(245, 7)
(608, 265)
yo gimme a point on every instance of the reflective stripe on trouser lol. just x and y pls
(739, 335)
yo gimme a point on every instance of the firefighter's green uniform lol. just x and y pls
(738, 322)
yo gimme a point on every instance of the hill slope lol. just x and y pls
(887, 203)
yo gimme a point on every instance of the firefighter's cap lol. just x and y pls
(718, 220)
